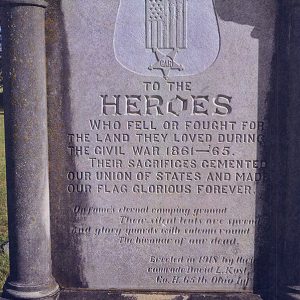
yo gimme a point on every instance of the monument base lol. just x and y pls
(96, 295)
(17, 291)
(93, 295)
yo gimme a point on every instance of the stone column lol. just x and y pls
(27, 150)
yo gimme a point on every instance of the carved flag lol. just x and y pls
(166, 38)
(166, 24)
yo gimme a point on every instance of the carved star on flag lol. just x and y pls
(166, 62)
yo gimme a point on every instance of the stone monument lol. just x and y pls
(151, 148)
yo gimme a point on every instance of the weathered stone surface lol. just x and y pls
(27, 152)
(169, 175)
(66, 295)
(40, 3)
(164, 122)
(93, 295)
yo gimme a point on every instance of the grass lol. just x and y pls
(4, 265)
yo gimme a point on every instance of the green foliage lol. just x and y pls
(3, 214)
(1, 77)
(4, 265)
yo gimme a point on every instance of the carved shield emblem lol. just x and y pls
(166, 37)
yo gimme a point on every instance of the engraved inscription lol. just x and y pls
(163, 184)
(171, 156)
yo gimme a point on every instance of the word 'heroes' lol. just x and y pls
(156, 105)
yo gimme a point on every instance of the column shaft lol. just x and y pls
(25, 103)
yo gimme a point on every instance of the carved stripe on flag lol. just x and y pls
(166, 24)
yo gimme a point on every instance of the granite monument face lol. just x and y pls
(161, 117)
(163, 128)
